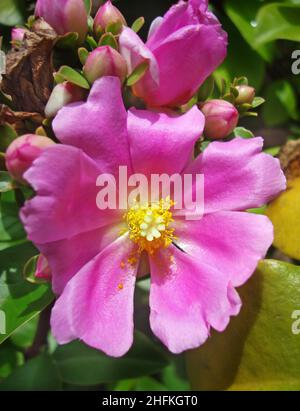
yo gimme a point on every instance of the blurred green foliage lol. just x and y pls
(262, 36)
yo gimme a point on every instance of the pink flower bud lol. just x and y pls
(61, 95)
(43, 271)
(221, 117)
(246, 95)
(64, 16)
(22, 152)
(106, 15)
(17, 34)
(105, 61)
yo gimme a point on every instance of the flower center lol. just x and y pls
(149, 225)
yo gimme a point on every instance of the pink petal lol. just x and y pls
(238, 175)
(97, 304)
(64, 179)
(187, 297)
(229, 241)
(97, 126)
(162, 143)
(67, 257)
(136, 52)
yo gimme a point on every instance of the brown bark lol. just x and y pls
(29, 70)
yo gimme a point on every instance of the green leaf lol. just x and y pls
(242, 132)
(206, 90)
(258, 101)
(10, 358)
(114, 28)
(11, 12)
(23, 337)
(7, 135)
(6, 182)
(243, 14)
(38, 374)
(73, 76)
(138, 24)
(68, 41)
(88, 6)
(11, 229)
(81, 365)
(21, 302)
(281, 103)
(91, 42)
(83, 55)
(258, 350)
(248, 64)
(277, 21)
(138, 73)
(108, 39)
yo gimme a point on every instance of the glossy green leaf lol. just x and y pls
(23, 336)
(88, 6)
(277, 21)
(20, 302)
(10, 358)
(68, 41)
(11, 12)
(242, 132)
(258, 101)
(138, 24)
(281, 103)
(73, 76)
(258, 350)
(243, 14)
(81, 365)
(38, 374)
(11, 230)
(83, 55)
(7, 135)
(248, 63)
(108, 39)
(206, 90)
(138, 73)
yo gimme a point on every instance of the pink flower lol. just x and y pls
(17, 34)
(22, 152)
(221, 118)
(183, 49)
(94, 255)
(64, 16)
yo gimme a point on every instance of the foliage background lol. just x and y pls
(262, 37)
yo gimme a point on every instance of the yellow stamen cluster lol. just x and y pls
(149, 225)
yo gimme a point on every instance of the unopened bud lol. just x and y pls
(107, 15)
(17, 34)
(221, 117)
(246, 95)
(105, 61)
(63, 94)
(23, 151)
